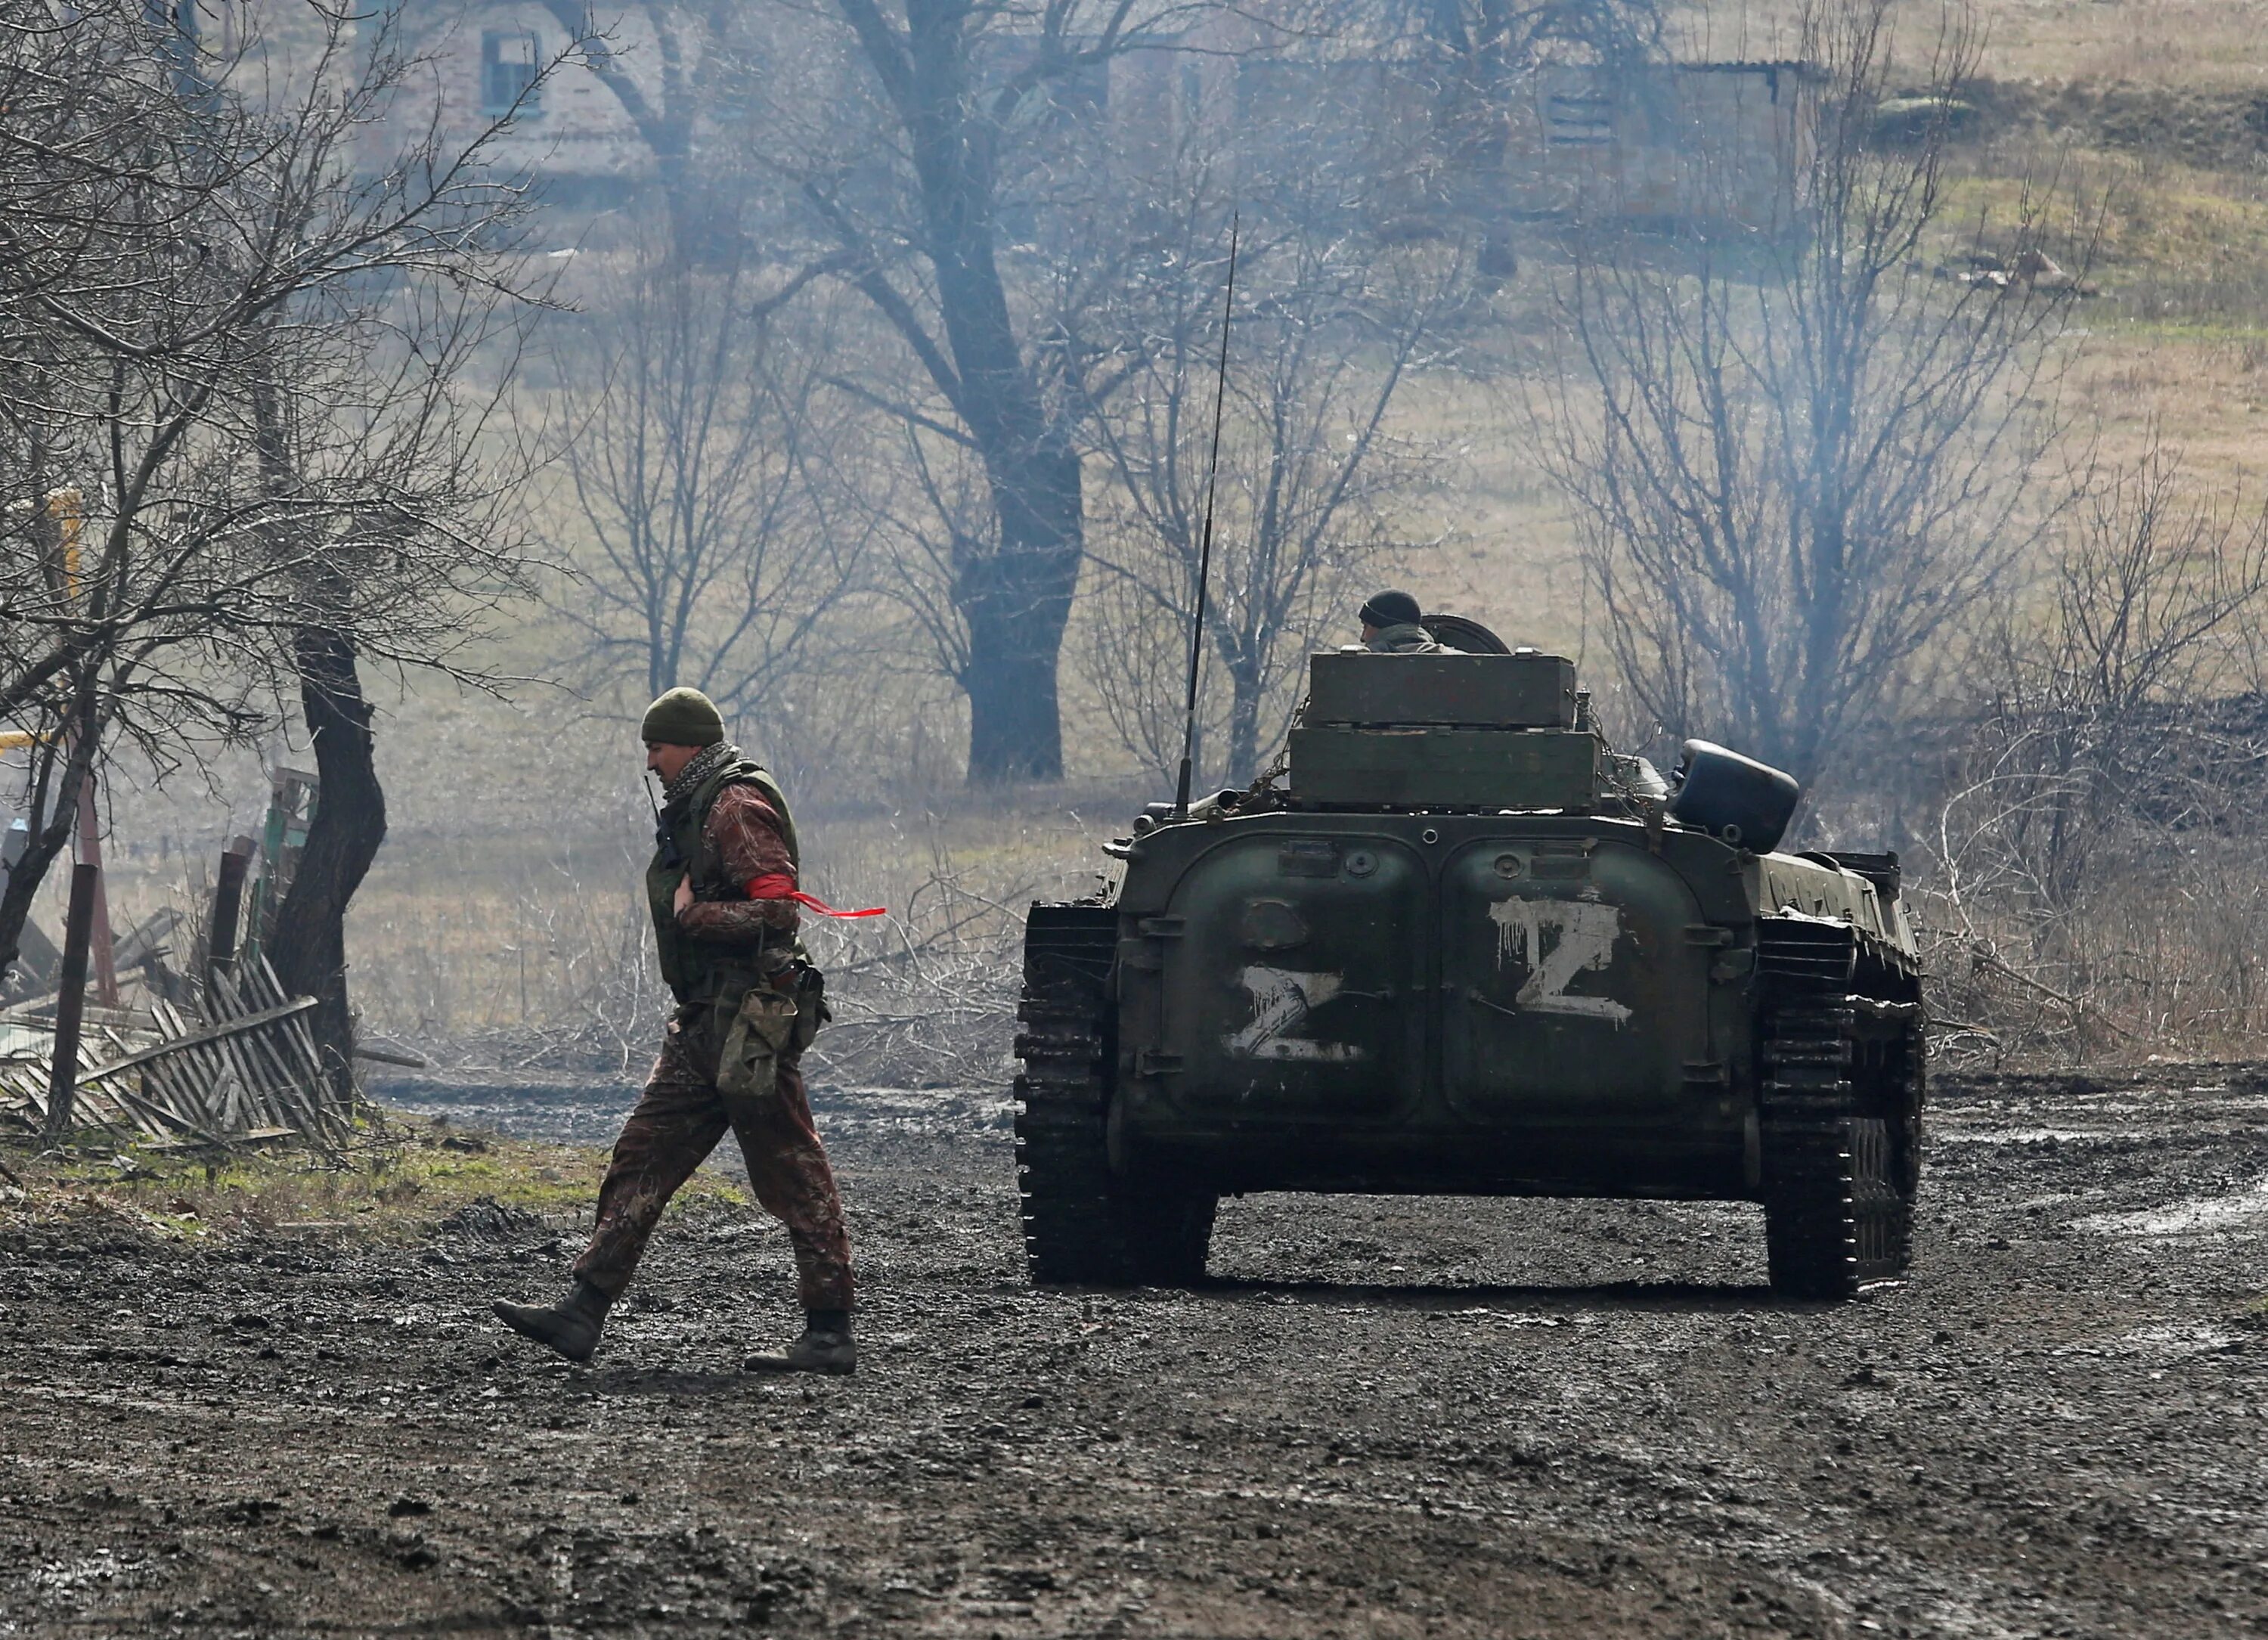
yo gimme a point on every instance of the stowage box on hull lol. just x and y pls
(1431, 766)
(1520, 692)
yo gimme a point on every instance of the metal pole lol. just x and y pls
(90, 853)
(68, 508)
(62, 1079)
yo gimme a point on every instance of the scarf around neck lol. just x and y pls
(705, 763)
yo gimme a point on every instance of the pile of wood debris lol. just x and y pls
(202, 1048)
(236, 1065)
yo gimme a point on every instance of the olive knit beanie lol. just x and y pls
(1390, 608)
(683, 717)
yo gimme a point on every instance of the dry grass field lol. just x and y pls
(504, 896)
(2204, 45)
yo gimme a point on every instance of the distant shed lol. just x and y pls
(1689, 147)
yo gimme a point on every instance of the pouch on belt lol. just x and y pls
(763, 1029)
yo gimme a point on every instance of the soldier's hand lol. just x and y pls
(684, 895)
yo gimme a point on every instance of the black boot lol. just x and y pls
(825, 1346)
(569, 1326)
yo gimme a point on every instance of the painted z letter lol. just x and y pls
(1588, 930)
(1282, 1000)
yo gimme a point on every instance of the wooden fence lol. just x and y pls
(247, 1070)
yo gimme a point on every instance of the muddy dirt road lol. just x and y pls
(1387, 1418)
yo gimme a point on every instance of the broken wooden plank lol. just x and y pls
(210, 1033)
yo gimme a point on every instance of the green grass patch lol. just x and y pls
(395, 1185)
(2175, 249)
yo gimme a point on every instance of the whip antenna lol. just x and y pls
(1204, 551)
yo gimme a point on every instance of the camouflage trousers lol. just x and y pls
(679, 1119)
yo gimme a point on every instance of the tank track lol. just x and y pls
(1081, 1226)
(1839, 1096)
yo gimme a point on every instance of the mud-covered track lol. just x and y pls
(1383, 1417)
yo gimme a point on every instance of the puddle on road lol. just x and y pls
(75, 1577)
(2200, 1216)
(2124, 1104)
(2170, 1342)
(1948, 1133)
(588, 1109)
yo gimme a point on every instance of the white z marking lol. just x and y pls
(1280, 1000)
(1588, 930)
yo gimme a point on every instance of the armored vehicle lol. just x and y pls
(1465, 948)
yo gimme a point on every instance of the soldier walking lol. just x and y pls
(723, 891)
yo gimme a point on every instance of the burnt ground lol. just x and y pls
(1386, 1418)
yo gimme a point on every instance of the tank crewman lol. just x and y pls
(722, 889)
(1390, 627)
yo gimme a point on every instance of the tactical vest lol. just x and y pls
(695, 968)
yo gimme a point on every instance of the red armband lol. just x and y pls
(780, 886)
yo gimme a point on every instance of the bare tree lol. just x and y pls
(936, 514)
(2118, 709)
(704, 454)
(650, 63)
(938, 182)
(99, 387)
(255, 367)
(2097, 858)
(1797, 462)
(378, 435)
(1330, 328)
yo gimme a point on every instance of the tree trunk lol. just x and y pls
(1480, 138)
(1017, 601)
(63, 777)
(1013, 731)
(1014, 599)
(309, 946)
